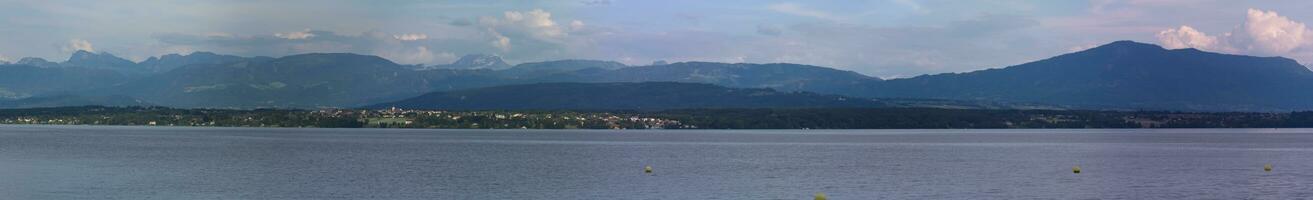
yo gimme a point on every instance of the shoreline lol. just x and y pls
(703, 119)
(672, 130)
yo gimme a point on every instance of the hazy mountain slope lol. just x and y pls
(103, 60)
(37, 62)
(779, 76)
(648, 95)
(22, 81)
(1119, 75)
(1127, 75)
(71, 100)
(307, 80)
(537, 71)
(472, 61)
(169, 62)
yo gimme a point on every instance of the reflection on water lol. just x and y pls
(84, 162)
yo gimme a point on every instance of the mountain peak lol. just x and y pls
(203, 53)
(567, 65)
(84, 58)
(481, 61)
(172, 61)
(87, 55)
(471, 61)
(1127, 75)
(82, 55)
(336, 58)
(34, 61)
(331, 55)
(1128, 45)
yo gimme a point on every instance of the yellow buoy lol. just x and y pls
(820, 196)
(1075, 169)
(647, 169)
(1267, 167)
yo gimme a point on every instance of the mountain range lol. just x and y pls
(1118, 75)
(1126, 75)
(621, 96)
(472, 61)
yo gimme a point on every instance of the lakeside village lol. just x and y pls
(336, 118)
(810, 118)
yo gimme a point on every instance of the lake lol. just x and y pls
(102, 162)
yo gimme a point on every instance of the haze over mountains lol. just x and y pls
(623, 96)
(1119, 75)
(473, 61)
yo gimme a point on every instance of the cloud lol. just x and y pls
(576, 25)
(536, 35)
(5, 59)
(795, 9)
(78, 44)
(1269, 33)
(1264, 33)
(770, 30)
(1082, 47)
(501, 42)
(537, 21)
(411, 36)
(1186, 37)
(301, 35)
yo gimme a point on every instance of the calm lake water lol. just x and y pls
(93, 162)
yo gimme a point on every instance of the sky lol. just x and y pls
(882, 38)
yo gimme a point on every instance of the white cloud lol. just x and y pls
(1263, 33)
(537, 21)
(534, 34)
(1186, 37)
(78, 44)
(500, 41)
(533, 18)
(1081, 47)
(300, 35)
(576, 25)
(795, 9)
(1269, 33)
(411, 36)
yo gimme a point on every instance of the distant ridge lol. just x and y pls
(1127, 75)
(621, 96)
(101, 60)
(71, 100)
(1122, 75)
(473, 62)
